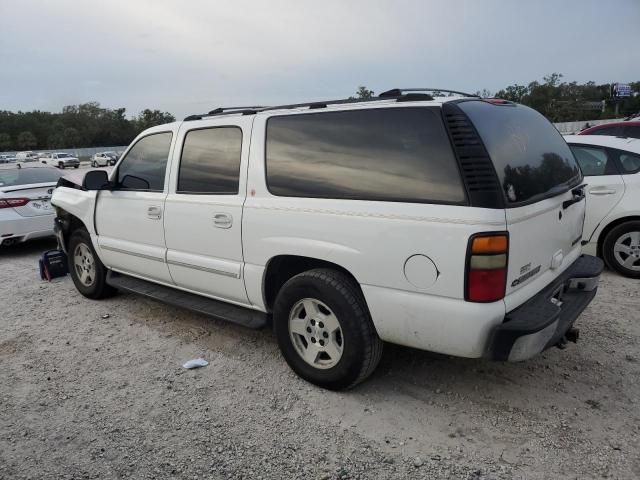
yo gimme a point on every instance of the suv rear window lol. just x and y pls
(386, 154)
(530, 156)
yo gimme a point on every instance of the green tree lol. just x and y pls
(150, 118)
(363, 93)
(26, 140)
(71, 137)
(5, 142)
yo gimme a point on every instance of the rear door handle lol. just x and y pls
(154, 212)
(601, 192)
(222, 220)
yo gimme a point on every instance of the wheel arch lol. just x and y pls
(281, 268)
(65, 224)
(610, 226)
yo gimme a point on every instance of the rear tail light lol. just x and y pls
(13, 202)
(486, 275)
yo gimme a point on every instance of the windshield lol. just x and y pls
(64, 155)
(530, 156)
(27, 176)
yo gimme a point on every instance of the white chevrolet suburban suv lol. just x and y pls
(449, 224)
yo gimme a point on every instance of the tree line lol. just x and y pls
(561, 101)
(77, 126)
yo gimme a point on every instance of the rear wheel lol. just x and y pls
(621, 249)
(87, 271)
(324, 329)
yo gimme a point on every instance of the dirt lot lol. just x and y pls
(82, 396)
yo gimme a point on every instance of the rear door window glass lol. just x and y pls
(530, 156)
(386, 154)
(593, 161)
(210, 161)
(145, 165)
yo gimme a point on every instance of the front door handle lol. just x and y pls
(222, 220)
(154, 212)
(603, 191)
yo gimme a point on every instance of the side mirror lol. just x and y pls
(95, 180)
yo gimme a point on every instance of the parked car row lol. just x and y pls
(60, 159)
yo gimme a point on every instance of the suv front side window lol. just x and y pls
(145, 165)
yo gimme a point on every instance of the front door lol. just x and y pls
(604, 184)
(129, 218)
(203, 211)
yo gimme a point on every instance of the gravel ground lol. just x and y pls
(96, 390)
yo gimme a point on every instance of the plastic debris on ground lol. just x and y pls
(195, 363)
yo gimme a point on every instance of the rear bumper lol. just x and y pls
(15, 228)
(543, 321)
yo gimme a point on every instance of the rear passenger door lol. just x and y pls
(604, 184)
(203, 211)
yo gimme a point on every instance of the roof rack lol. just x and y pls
(397, 92)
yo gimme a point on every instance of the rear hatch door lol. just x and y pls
(542, 187)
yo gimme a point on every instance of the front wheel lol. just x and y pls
(61, 165)
(87, 271)
(76, 166)
(324, 329)
(94, 164)
(621, 249)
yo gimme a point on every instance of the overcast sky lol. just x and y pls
(190, 56)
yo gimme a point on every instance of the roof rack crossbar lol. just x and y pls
(397, 92)
(226, 109)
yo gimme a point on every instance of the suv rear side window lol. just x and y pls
(210, 161)
(145, 165)
(399, 154)
(530, 156)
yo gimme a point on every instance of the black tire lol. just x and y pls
(98, 288)
(61, 165)
(76, 166)
(361, 346)
(608, 249)
(94, 164)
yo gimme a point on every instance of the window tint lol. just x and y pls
(530, 156)
(592, 160)
(400, 154)
(210, 161)
(629, 162)
(613, 131)
(632, 131)
(145, 165)
(25, 176)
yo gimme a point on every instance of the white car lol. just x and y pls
(7, 159)
(450, 224)
(60, 160)
(104, 159)
(611, 166)
(25, 202)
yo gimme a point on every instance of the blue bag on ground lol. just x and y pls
(53, 264)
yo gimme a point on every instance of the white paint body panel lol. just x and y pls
(603, 210)
(202, 255)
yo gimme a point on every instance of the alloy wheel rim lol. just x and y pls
(84, 264)
(316, 333)
(626, 251)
